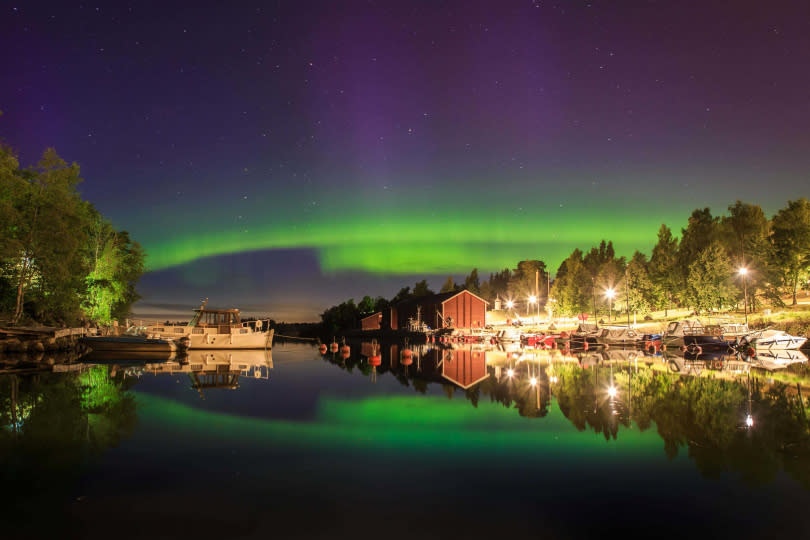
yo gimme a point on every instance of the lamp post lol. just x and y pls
(743, 271)
(533, 300)
(627, 294)
(610, 293)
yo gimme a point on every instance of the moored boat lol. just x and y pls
(129, 344)
(692, 335)
(622, 336)
(217, 329)
(773, 339)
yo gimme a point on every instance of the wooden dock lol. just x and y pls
(44, 332)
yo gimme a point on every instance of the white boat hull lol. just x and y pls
(254, 340)
(776, 339)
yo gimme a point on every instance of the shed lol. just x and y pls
(372, 322)
(461, 309)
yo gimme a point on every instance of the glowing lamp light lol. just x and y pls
(554, 378)
(610, 293)
(749, 420)
(510, 372)
(612, 391)
(533, 381)
(532, 299)
(510, 304)
(742, 271)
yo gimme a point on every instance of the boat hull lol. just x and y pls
(255, 340)
(130, 344)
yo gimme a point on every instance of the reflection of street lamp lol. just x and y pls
(749, 420)
(610, 293)
(743, 271)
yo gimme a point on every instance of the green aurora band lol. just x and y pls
(422, 240)
(416, 424)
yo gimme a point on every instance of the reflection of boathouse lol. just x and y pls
(460, 309)
(464, 367)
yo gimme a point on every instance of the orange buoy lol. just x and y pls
(406, 361)
(375, 360)
(333, 347)
(344, 349)
(322, 348)
(407, 353)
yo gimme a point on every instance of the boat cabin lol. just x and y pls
(223, 319)
(686, 328)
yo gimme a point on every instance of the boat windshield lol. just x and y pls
(672, 327)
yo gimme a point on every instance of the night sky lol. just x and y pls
(284, 156)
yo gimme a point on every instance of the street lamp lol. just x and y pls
(610, 293)
(532, 300)
(743, 271)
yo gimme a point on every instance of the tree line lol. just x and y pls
(718, 262)
(699, 270)
(61, 261)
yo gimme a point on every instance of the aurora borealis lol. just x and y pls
(283, 157)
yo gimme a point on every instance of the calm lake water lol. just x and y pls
(445, 444)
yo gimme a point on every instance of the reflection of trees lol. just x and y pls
(50, 424)
(704, 416)
(583, 398)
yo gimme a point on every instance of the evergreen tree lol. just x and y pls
(709, 284)
(471, 282)
(449, 285)
(644, 294)
(701, 231)
(662, 268)
(523, 280)
(421, 289)
(573, 290)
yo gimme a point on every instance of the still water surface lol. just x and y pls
(448, 444)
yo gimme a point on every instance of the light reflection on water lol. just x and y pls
(466, 428)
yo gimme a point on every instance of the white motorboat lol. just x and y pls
(217, 329)
(773, 339)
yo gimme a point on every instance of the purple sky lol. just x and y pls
(196, 118)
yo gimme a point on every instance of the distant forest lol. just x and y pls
(61, 261)
(709, 267)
